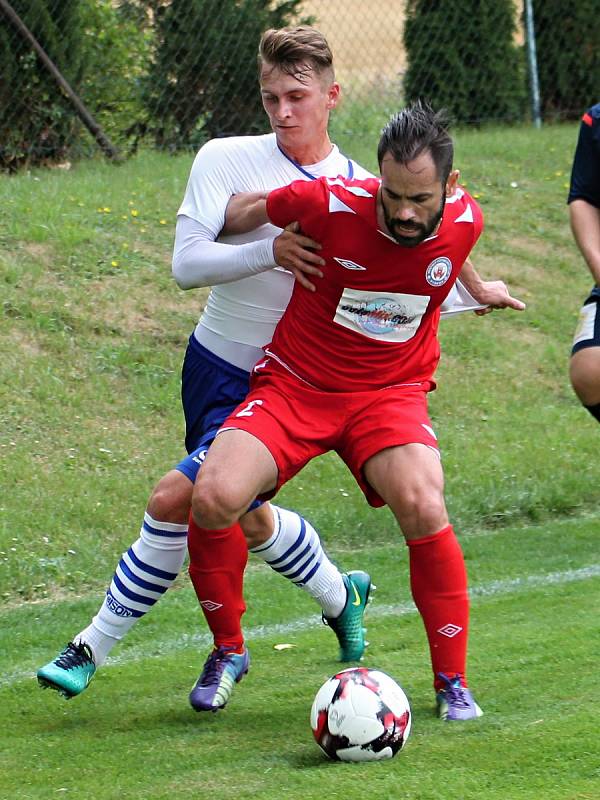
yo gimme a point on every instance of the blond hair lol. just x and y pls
(296, 51)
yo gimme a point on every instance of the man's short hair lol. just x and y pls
(414, 130)
(296, 51)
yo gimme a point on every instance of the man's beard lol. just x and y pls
(425, 230)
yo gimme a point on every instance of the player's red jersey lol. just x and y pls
(373, 320)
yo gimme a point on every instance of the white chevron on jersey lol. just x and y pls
(335, 204)
(358, 191)
(455, 197)
(466, 216)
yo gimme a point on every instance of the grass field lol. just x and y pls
(92, 334)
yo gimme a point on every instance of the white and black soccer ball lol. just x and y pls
(360, 714)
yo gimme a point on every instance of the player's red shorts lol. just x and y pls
(297, 422)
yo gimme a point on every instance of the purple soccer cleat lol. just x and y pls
(455, 703)
(222, 669)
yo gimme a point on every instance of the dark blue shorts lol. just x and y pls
(210, 389)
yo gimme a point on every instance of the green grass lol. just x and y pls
(533, 664)
(92, 333)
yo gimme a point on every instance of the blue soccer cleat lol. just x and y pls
(348, 627)
(455, 703)
(222, 669)
(70, 672)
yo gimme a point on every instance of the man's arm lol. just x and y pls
(492, 294)
(291, 250)
(584, 191)
(198, 260)
(585, 224)
(245, 211)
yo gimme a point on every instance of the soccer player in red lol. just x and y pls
(251, 276)
(350, 366)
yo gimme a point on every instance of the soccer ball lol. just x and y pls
(360, 714)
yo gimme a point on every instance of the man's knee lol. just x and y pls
(215, 505)
(429, 514)
(171, 499)
(420, 511)
(584, 372)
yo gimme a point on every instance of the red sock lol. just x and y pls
(438, 580)
(217, 563)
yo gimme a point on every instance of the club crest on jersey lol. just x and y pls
(438, 272)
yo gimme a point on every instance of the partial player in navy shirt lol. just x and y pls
(585, 175)
(584, 211)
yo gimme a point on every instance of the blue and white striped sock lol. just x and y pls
(294, 551)
(143, 575)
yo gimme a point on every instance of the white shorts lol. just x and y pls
(587, 333)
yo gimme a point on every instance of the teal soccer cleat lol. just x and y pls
(70, 672)
(348, 627)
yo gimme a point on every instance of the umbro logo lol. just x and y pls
(210, 605)
(450, 630)
(347, 264)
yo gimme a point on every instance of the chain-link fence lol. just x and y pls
(172, 73)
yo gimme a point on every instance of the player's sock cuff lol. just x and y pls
(594, 411)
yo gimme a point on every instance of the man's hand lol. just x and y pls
(295, 252)
(495, 294)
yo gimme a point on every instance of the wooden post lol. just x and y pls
(84, 115)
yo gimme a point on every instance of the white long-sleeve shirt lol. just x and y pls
(249, 291)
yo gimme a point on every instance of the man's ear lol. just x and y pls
(452, 182)
(333, 95)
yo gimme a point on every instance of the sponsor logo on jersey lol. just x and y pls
(347, 264)
(378, 316)
(116, 607)
(385, 316)
(438, 272)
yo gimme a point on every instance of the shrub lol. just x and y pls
(117, 52)
(462, 56)
(98, 50)
(203, 80)
(36, 123)
(568, 53)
